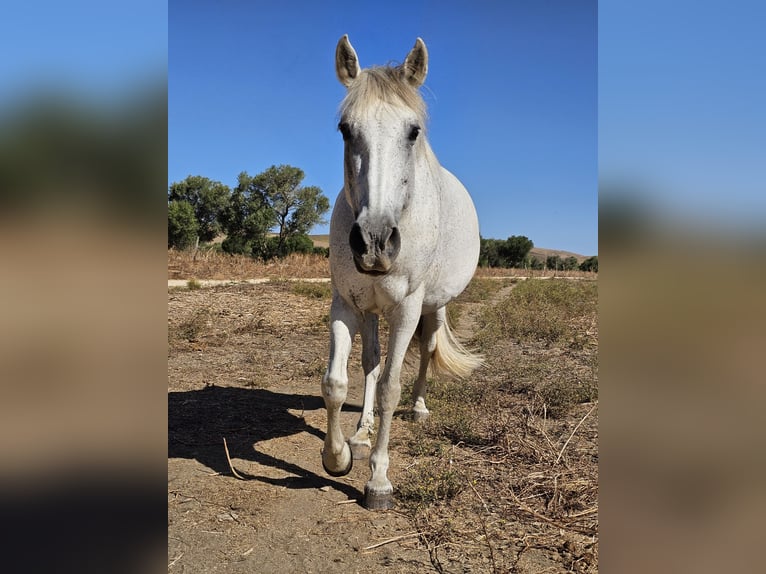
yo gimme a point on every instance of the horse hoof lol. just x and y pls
(377, 500)
(420, 416)
(341, 472)
(361, 450)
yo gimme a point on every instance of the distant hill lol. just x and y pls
(540, 252)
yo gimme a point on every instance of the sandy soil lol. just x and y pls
(244, 365)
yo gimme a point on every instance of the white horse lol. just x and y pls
(404, 241)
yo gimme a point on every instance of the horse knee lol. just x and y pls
(334, 389)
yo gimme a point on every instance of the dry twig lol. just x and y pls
(582, 420)
(484, 527)
(228, 458)
(525, 508)
(394, 539)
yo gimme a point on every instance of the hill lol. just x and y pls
(542, 253)
(539, 252)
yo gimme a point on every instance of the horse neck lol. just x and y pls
(425, 202)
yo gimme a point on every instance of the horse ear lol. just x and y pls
(346, 61)
(415, 66)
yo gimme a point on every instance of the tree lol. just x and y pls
(509, 253)
(570, 263)
(296, 209)
(514, 249)
(183, 226)
(208, 198)
(532, 262)
(247, 218)
(554, 262)
(590, 264)
(488, 253)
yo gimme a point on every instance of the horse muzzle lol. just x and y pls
(374, 252)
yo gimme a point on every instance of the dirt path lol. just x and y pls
(287, 516)
(249, 371)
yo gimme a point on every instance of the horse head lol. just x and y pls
(382, 118)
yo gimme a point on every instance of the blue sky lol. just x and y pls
(89, 48)
(511, 92)
(682, 109)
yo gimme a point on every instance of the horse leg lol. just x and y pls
(430, 326)
(336, 454)
(403, 321)
(360, 442)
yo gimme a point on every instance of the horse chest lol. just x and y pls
(378, 296)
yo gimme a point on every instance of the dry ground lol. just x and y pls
(211, 264)
(502, 478)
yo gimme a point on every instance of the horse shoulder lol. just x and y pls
(459, 241)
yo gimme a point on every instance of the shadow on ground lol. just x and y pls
(199, 420)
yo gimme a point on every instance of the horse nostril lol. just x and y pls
(356, 240)
(394, 242)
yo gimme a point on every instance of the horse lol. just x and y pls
(404, 241)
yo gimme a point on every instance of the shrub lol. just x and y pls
(183, 226)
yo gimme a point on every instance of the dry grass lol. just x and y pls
(504, 474)
(505, 470)
(211, 264)
(548, 311)
(312, 290)
(534, 273)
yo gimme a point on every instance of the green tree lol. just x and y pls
(532, 262)
(247, 218)
(183, 226)
(570, 263)
(488, 253)
(514, 249)
(590, 264)
(296, 209)
(513, 252)
(554, 262)
(208, 198)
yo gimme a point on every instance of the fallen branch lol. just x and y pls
(228, 458)
(390, 540)
(525, 508)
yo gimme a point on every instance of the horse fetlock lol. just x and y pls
(419, 410)
(361, 450)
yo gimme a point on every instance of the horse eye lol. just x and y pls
(414, 131)
(345, 130)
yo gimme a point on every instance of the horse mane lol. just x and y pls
(383, 84)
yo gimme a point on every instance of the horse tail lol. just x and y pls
(451, 357)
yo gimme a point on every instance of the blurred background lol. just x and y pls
(83, 164)
(682, 239)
